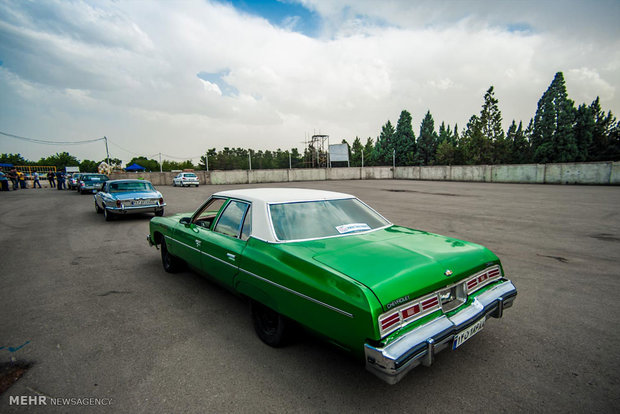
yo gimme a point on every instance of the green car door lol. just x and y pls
(223, 244)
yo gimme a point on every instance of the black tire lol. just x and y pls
(171, 264)
(97, 208)
(159, 213)
(107, 215)
(270, 326)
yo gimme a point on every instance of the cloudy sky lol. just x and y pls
(178, 77)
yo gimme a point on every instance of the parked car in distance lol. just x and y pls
(91, 183)
(118, 197)
(185, 179)
(392, 295)
(73, 181)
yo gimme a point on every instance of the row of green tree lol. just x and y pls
(59, 160)
(558, 132)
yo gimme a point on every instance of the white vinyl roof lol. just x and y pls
(262, 197)
(282, 195)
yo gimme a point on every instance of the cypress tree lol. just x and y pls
(603, 144)
(427, 141)
(553, 138)
(484, 137)
(385, 144)
(404, 140)
(583, 130)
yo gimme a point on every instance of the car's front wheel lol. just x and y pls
(97, 208)
(172, 264)
(270, 326)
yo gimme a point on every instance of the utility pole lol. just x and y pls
(207, 160)
(394, 159)
(362, 157)
(107, 153)
(160, 166)
(250, 159)
(289, 160)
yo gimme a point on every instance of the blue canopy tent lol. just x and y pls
(135, 167)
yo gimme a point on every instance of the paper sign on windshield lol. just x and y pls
(348, 228)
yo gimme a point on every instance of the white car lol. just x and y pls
(185, 179)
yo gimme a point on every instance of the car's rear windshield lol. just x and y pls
(190, 175)
(131, 186)
(94, 177)
(325, 218)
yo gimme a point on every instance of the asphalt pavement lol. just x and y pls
(88, 305)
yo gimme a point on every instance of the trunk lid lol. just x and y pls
(397, 262)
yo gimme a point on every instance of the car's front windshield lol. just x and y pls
(130, 186)
(325, 218)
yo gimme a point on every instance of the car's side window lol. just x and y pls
(231, 219)
(208, 213)
(246, 230)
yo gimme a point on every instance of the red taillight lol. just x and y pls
(161, 200)
(483, 279)
(118, 203)
(390, 321)
(430, 302)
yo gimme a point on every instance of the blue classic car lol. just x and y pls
(89, 183)
(128, 196)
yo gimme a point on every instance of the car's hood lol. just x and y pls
(137, 194)
(398, 262)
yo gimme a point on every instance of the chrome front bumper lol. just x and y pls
(419, 346)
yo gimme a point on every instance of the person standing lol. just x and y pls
(22, 180)
(50, 178)
(59, 180)
(13, 178)
(35, 182)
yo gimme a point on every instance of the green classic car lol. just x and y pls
(392, 295)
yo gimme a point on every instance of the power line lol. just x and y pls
(182, 158)
(48, 142)
(124, 149)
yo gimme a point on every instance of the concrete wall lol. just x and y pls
(599, 173)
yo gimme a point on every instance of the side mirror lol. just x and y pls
(185, 220)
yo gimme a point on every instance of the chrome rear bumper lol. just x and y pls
(419, 346)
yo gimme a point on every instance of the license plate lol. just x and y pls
(463, 336)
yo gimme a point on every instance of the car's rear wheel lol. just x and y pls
(270, 326)
(107, 215)
(172, 264)
(159, 213)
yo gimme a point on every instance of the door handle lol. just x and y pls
(198, 243)
(231, 256)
